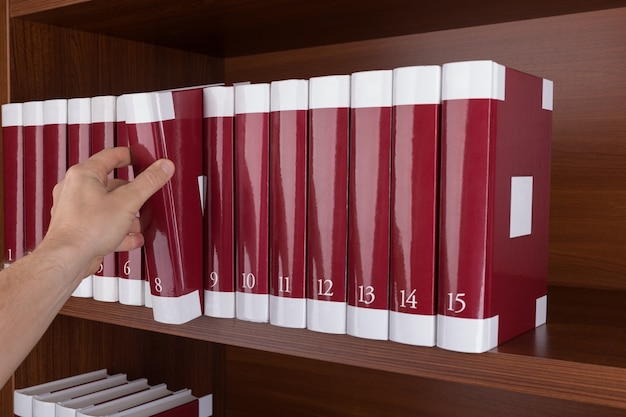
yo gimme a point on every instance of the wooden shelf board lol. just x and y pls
(536, 363)
(242, 27)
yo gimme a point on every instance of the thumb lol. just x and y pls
(149, 181)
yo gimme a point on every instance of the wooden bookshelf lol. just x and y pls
(575, 365)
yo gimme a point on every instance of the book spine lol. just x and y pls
(252, 107)
(131, 283)
(13, 181)
(158, 126)
(103, 116)
(54, 151)
(288, 202)
(493, 256)
(33, 174)
(414, 204)
(369, 205)
(327, 227)
(78, 150)
(219, 147)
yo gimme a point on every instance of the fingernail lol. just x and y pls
(167, 166)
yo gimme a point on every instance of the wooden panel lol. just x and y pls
(528, 365)
(50, 62)
(585, 56)
(279, 385)
(240, 27)
(72, 346)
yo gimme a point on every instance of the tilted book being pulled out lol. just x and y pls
(168, 124)
(495, 192)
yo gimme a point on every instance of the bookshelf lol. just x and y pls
(575, 365)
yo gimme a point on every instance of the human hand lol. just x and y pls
(93, 214)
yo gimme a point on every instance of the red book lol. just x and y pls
(495, 191)
(13, 171)
(169, 124)
(252, 108)
(180, 404)
(414, 204)
(78, 150)
(288, 202)
(33, 174)
(327, 228)
(219, 148)
(54, 151)
(368, 205)
(103, 132)
(131, 282)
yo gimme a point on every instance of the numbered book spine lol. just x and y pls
(13, 181)
(414, 204)
(33, 174)
(369, 205)
(288, 202)
(327, 227)
(252, 108)
(219, 148)
(78, 150)
(169, 124)
(131, 283)
(494, 204)
(103, 116)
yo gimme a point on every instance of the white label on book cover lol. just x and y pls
(219, 101)
(105, 288)
(473, 79)
(372, 89)
(368, 323)
(329, 92)
(79, 110)
(252, 307)
(412, 329)
(417, 85)
(177, 310)
(219, 304)
(12, 114)
(131, 291)
(327, 316)
(288, 312)
(289, 95)
(252, 98)
(85, 288)
(541, 311)
(521, 206)
(467, 335)
(547, 95)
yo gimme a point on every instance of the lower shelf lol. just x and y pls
(577, 356)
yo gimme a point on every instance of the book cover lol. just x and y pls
(252, 108)
(103, 133)
(54, 151)
(111, 408)
(131, 279)
(219, 148)
(289, 102)
(495, 192)
(33, 174)
(23, 397)
(414, 204)
(69, 408)
(369, 204)
(169, 124)
(44, 405)
(78, 150)
(180, 404)
(327, 207)
(13, 181)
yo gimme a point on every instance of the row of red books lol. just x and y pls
(99, 393)
(409, 204)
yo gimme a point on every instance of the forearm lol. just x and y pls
(32, 291)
